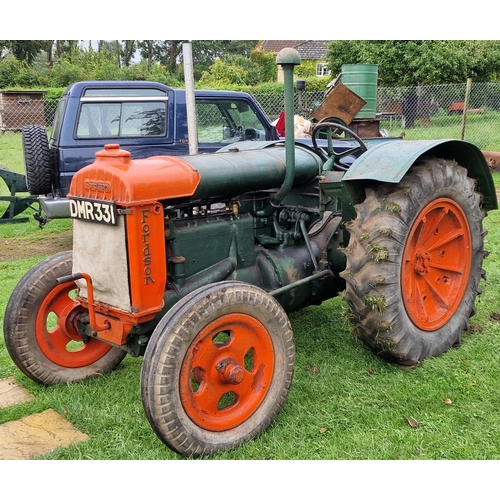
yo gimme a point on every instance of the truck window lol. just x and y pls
(122, 119)
(227, 121)
(143, 119)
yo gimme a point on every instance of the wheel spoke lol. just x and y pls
(419, 299)
(428, 226)
(447, 267)
(438, 295)
(209, 394)
(58, 339)
(443, 240)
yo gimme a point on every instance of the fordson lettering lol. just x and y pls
(146, 250)
(97, 186)
(92, 210)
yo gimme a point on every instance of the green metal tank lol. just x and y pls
(362, 79)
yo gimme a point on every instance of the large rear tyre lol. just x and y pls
(37, 160)
(414, 262)
(39, 328)
(218, 368)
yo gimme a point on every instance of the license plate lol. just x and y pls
(103, 212)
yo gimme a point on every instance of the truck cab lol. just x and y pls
(145, 118)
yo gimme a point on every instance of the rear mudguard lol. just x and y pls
(389, 162)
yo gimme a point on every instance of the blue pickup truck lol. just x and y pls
(145, 118)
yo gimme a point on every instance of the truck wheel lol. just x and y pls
(39, 332)
(217, 369)
(414, 262)
(37, 160)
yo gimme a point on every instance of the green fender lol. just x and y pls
(389, 161)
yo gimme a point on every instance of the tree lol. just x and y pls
(24, 50)
(175, 49)
(146, 50)
(235, 69)
(49, 44)
(205, 52)
(127, 51)
(224, 73)
(66, 49)
(419, 62)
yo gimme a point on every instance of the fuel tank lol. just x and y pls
(115, 176)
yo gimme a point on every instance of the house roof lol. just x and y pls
(307, 49)
(313, 49)
(277, 45)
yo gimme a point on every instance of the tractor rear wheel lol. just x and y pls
(217, 369)
(37, 160)
(414, 262)
(39, 328)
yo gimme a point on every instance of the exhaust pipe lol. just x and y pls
(287, 58)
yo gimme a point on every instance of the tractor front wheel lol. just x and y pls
(40, 332)
(218, 368)
(414, 262)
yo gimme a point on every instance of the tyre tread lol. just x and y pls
(390, 333)
(37, 160)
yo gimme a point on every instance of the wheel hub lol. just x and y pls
(231, 371)
(422, 262)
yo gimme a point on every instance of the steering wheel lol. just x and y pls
(335, 157)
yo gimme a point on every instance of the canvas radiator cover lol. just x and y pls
(101, 251)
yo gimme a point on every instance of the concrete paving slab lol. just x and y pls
(11, 393)
(36, 435)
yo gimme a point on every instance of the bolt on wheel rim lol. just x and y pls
(56, 336)
(436, 264)
(227, 372)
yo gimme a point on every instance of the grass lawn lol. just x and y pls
(345, 403)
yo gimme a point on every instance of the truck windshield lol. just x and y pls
(226, 121)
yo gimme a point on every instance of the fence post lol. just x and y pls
(190, 99)
(466, 105)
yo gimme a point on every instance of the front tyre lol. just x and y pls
(40, 333)
(414, 262)
(218, 368)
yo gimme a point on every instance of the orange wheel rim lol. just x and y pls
(436, 264)
(227, 372)
(56, 336)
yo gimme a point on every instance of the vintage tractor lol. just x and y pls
(191, 262)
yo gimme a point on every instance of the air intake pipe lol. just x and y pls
(287, 58)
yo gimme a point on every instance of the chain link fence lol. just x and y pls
(423, 112)
(18, 109)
